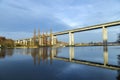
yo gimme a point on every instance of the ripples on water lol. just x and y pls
(68, 63)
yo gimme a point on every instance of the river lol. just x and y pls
(65, 63)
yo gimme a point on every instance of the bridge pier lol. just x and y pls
(53, 41)
(104, 35)
(30, 41)
(71, 39)
(39, 41)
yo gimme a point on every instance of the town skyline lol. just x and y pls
(21, 18)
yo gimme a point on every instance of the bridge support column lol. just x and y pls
(46, 40)
(39, 41)
(71, 53)
(30, 41)
(104, 36)
(53, 41)
(71, 39)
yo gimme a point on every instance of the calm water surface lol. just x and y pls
(51, 64)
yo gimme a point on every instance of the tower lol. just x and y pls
(50, 41)
(34, 38)
(39, 37)
(38, 32)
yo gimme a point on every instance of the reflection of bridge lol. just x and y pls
(48, 54)
(118, 77)
(90, 63)
(42, 54)
(42, 39)
(45, 54)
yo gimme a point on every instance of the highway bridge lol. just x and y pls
(103, 26)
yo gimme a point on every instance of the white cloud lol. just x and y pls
(74, 14)
(90, 13)
(16, 35)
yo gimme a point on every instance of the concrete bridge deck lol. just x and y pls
(71, 33)
(109, 24)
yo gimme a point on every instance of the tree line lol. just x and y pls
(6, 42)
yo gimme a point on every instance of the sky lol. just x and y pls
(19, 18)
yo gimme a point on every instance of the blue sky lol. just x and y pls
(18, 18)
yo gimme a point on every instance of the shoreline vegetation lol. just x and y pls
(1, 47)
(6, 43)
(9, 43)
(59, 44)
(63, 46)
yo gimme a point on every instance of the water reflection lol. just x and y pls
(118, 78)
(2, 53)
(42, 54)
(71, 53)
(47, 55)
(6, 52)
(53, 53)
(105, 54)
(39, 55)
(97, 64)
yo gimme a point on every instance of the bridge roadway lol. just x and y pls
(71, 32)
(109, 24)
(98, 26)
